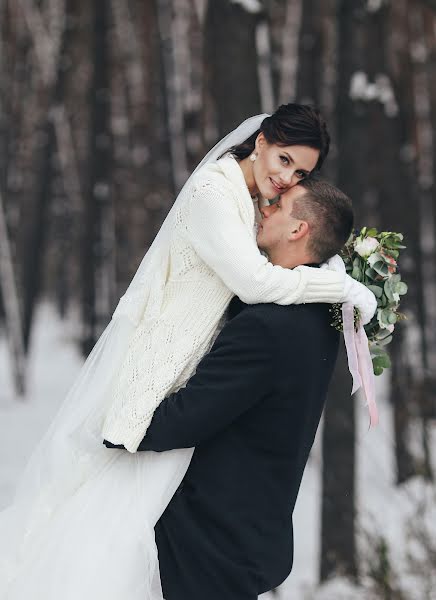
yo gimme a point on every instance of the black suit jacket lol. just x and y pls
(251, 411)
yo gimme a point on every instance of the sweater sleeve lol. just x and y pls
(221, 239)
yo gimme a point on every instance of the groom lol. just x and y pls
(251, 411)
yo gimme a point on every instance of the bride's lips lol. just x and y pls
(279, 189)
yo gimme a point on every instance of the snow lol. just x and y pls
(374, 5)
(380, 90)
(404, 516)
(340, 589)
(251, 6)
(54, 362)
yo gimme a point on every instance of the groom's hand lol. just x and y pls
(110, 445)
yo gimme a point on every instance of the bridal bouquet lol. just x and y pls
(371, 258)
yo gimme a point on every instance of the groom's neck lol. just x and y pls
(291, 261)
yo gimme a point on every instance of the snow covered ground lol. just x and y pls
(383, 508)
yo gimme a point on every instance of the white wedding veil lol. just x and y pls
(81, 523)
(133, 303)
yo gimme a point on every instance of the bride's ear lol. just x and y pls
(260, 142)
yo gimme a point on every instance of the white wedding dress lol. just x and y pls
(81, 525)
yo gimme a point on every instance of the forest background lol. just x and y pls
(105, 108)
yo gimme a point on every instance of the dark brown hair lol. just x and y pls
(329, 214)
(290, 125)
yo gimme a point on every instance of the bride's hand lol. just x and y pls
(354, 292)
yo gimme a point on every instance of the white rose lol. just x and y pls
(366, 247)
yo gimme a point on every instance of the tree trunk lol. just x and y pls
(338, 552)
(67, 195)
(98, 274)
(142, 175)
(12, 308)
(230, 34)
(32, 236)
(397, 182)
(426, 185)
(310, 52)
(172, 21)
(338, 513)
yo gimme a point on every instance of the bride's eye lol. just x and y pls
(284, 159)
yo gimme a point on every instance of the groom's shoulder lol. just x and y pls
(295, 319)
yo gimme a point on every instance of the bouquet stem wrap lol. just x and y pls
(359, 360)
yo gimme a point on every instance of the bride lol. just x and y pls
(82, 521)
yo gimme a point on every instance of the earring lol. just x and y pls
(253, 157)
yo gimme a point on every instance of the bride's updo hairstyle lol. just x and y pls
(290, 125)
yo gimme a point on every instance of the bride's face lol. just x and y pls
(278, 168)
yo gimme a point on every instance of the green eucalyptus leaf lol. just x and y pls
(387, 288)
(376, 350)
(392, 318)
(355, 274)
(382, 334)
(384, 316)
(386, 341)
(401, 288)
(378, 365)
(383, 301)
(382, 360)
(376, 290)
(381, 268)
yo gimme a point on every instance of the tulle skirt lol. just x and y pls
(99, 543)
(81, 526)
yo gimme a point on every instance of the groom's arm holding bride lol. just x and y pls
(236, 374)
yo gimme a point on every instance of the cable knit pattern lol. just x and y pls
(212, 256)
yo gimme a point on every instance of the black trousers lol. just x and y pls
(195, 571)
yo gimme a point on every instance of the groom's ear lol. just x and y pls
(298, 230)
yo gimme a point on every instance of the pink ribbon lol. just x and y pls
(359, 360)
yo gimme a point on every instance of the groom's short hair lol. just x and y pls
(329, 214)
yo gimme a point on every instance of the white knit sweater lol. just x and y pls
(213, 256)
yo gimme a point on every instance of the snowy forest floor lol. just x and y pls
(399, 520)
